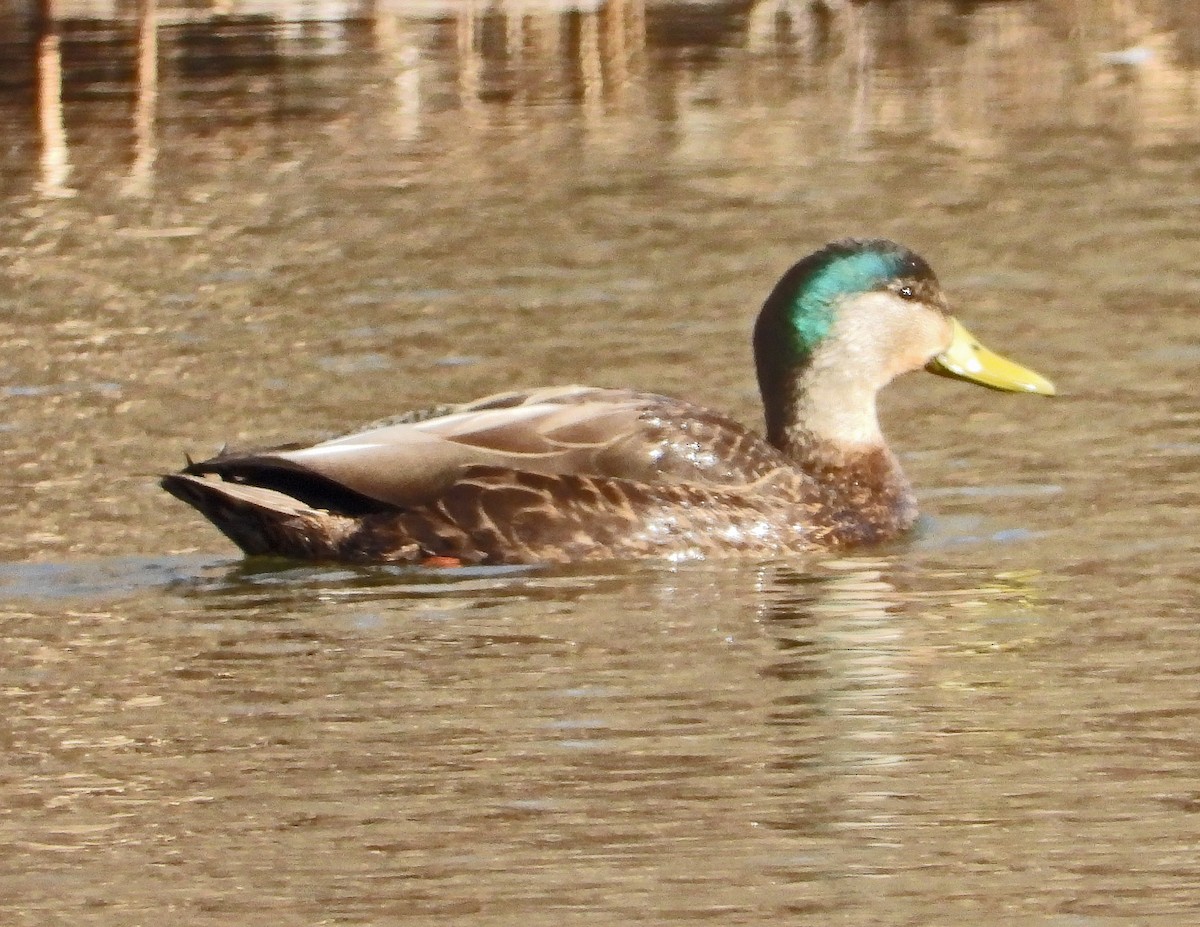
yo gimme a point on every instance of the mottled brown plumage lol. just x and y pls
(575, 473)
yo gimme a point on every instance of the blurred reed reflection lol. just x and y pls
(724, 79)
(55, 158)
(145, 136)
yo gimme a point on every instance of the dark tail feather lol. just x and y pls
(262, 521)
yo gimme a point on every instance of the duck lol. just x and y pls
(577, 473)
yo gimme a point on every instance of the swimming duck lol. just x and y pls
(575, 473)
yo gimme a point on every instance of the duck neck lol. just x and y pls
(826, 423)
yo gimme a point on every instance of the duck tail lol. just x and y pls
(262, 521)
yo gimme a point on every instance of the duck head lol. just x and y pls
(846, 320)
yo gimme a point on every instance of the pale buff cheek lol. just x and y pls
(943, 332)
(922, 336)
(880, 337)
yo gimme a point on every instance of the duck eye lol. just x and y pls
(906, 292)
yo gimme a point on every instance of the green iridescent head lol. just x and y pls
(800, 312)
(845, 321)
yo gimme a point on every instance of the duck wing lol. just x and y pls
(567, 431)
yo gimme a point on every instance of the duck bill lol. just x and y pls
(967, 359)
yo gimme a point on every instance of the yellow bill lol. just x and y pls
(967, 359)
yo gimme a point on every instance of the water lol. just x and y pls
(275, 224)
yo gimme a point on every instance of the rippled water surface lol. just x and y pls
(263, 222)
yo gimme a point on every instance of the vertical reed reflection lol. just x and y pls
(55, 157)
(470, 60)
(401, 51)
(145, 145)
(591, 66)
(969, 77)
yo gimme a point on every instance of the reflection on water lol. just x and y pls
(55, 166)
(966, 76)
(258, 222)
(642, 745)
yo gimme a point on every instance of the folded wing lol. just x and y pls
(567, 430)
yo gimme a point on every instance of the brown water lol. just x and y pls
(283, 221)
